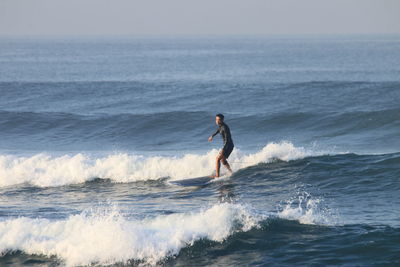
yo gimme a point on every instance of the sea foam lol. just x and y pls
(105, 238)
(307, 209)
(43, 170)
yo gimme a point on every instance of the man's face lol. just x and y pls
(217, 120)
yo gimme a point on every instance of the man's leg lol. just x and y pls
(222, 158)
(226, 164)
(218, 164)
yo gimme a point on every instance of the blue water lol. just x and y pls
(92, 131)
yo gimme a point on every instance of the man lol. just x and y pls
(225, 132)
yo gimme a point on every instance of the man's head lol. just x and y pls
(219, 119)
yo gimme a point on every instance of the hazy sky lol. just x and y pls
(131, 17)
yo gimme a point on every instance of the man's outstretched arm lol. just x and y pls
(212, 136)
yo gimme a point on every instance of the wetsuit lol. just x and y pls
(225, 132)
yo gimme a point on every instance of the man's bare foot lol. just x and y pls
(213, 176)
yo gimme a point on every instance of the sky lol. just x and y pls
(198, 17)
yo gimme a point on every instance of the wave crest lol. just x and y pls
(107, 238)
(44, 170)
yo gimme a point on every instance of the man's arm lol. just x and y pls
(212, 136)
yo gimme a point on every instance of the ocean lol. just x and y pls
(94, 129)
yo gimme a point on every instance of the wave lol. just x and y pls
(104, 235)
(100, 125)
(43, 170)
(183, 128)
(307, 209)
(333, 123)
(108, 237)
(283, 243)
(38, 122)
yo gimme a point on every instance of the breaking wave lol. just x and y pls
(43, 170)
(109, 237)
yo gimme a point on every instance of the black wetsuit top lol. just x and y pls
(225, 132)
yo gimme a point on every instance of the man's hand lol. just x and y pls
(210, 139)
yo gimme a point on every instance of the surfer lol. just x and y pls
(226, 150)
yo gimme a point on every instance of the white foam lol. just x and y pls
(44, 170)
(109, 238)
(285, 151)
(308, 210)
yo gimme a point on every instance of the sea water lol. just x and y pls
(92, 131)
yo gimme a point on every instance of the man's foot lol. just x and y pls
(213, 176)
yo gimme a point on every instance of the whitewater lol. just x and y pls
(44, 170)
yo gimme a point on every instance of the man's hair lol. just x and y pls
(220, 116)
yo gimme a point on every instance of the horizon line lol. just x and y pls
(172, 35)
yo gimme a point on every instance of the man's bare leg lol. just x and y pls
(228, 167)
(220, 158)
(218, 165)
(226, 164)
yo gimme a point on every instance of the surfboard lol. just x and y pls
(198, 181)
